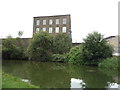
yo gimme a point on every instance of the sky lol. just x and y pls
(87, 16)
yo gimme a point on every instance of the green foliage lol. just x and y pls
(40, 47)
(10, 49)
(61, 43)
(58, 57)
(9, 81)
(95, 48)
(20, 44)
(75, 55)
(110, 63)
(0, 46)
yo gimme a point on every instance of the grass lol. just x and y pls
(9, 81)
(110, 63)
(0, 78)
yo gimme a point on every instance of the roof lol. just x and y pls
(51, 16)
(109, 37)
(17, 37)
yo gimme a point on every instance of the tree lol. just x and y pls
(9, 49)
(95, 48)
(20, 33)
(20, 44)
(13, 48)
(75, 55)
(61, 43)
(40, 47)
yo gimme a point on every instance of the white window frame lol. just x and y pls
(64, 29)
(37, 22)
(50, 21)
(44, 29)
(64, 21)
(50, 29)
(57, 21)
(57, 29)
(44, 22)
(37, 30)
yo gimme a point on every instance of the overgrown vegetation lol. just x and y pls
(9, 81)
(57, 48)
(13, 48)
(75, 55)
(45, 47)
(91, 52)
(58, 58)
(40, 47)
(95, 49)
(10, 50)
(61, 43)
(110, 63)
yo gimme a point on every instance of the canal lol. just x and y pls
(60, 75)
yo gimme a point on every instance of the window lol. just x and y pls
(50, 21)
(64, 21)
(57, 30)
(50, 29)
(64, 29)
(57, 21)
(38, 22)
(44, 22)
(44, 29)
(37, 30)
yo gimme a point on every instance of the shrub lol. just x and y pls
(61, 43)
(22, 48)
(110, 63)
(75, 55)
(95, 48)
(58, 57)
(40, 47)
(10, 50)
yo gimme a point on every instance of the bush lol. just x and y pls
(75, 55)
(40, 47)
(110, 63)
(61, 43)
(58, 57)
(22, 48)
(10, 50)
(43, 45)
(95, 48)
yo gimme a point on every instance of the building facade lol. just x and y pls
(114, 41)
(53, 24)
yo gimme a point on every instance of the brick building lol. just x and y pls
(53, 24)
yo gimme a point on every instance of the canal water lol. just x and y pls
(61, 75)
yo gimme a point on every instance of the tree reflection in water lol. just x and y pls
(60, 75)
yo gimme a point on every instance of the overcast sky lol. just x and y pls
(86, 16)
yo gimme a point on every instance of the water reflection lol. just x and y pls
(26, 80)
(60, 75)
(112, 85)
(77, 83)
